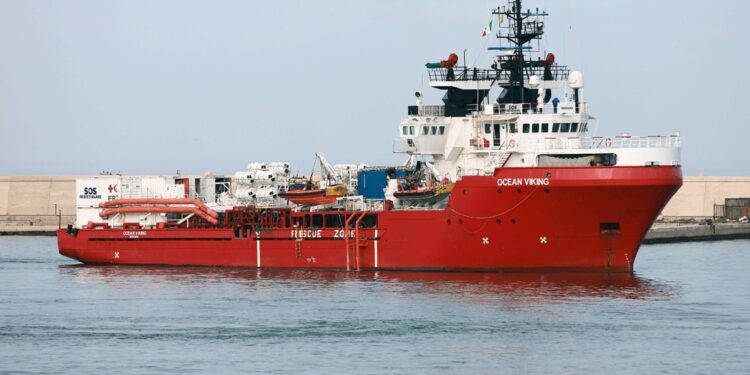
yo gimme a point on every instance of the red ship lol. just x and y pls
(531, 190)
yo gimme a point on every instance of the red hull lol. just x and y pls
(587, 218)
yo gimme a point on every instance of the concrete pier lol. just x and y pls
(666, 233)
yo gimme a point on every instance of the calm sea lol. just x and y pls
(686, 310)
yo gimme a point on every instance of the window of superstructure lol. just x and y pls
(425, 130)
(584, 127)
(441, 130)
(317, 221)
(545, 128)
(487, 128)
(556, 127)
(411, 130)
(535, 128)
(574, 127)
(513, 128)
(335, 221)
(433, 130)
(405, 130)
(525, 128)
(565, 127)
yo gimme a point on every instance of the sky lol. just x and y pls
(151, 87)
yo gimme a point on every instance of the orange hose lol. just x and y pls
(158, 209)
(163, 201)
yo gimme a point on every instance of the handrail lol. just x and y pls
(463, 73)
(582, 143)
(601, 142)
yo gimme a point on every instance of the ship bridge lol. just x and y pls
(466, 88)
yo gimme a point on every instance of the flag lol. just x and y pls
(487, 29)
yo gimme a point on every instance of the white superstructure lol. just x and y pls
(538, 119)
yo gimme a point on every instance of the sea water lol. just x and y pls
(685, 310)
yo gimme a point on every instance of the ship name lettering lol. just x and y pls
(134, 234)
(522, 181)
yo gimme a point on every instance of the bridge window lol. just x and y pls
(584, 127)
(565, 127)
(556, 127)
(525, 128)
(411, 130)
(513, 128)
(574, 127)
(425, 130)
(433, 130)
(405, 130)
(545, 128)
(535, 128)
(441, 130)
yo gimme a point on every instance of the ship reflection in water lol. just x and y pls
(519, 288)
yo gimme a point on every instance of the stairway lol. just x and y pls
(504, 158)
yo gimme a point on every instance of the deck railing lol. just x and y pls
(462, 73)
(581, 143)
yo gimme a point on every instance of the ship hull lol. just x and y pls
(519, 219)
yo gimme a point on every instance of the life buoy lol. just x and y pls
(512, 143)
(608, 142)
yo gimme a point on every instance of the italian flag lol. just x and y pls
(487, 29)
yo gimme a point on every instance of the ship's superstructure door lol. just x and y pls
(492, 133)
(495, 135)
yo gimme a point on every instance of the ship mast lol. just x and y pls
(523, 27)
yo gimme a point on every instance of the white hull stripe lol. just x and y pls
(376, 248)
(257, 248)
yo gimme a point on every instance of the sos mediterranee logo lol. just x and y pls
(90, 193)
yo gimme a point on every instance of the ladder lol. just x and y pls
(497, 160)
(354, 246)
(504, 158)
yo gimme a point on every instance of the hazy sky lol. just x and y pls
(147, 87)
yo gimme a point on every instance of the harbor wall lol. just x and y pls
(27, 203)
(698, 195)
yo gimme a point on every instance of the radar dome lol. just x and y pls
(534, 81)
(575, 79)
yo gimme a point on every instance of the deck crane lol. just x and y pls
(327, 172)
